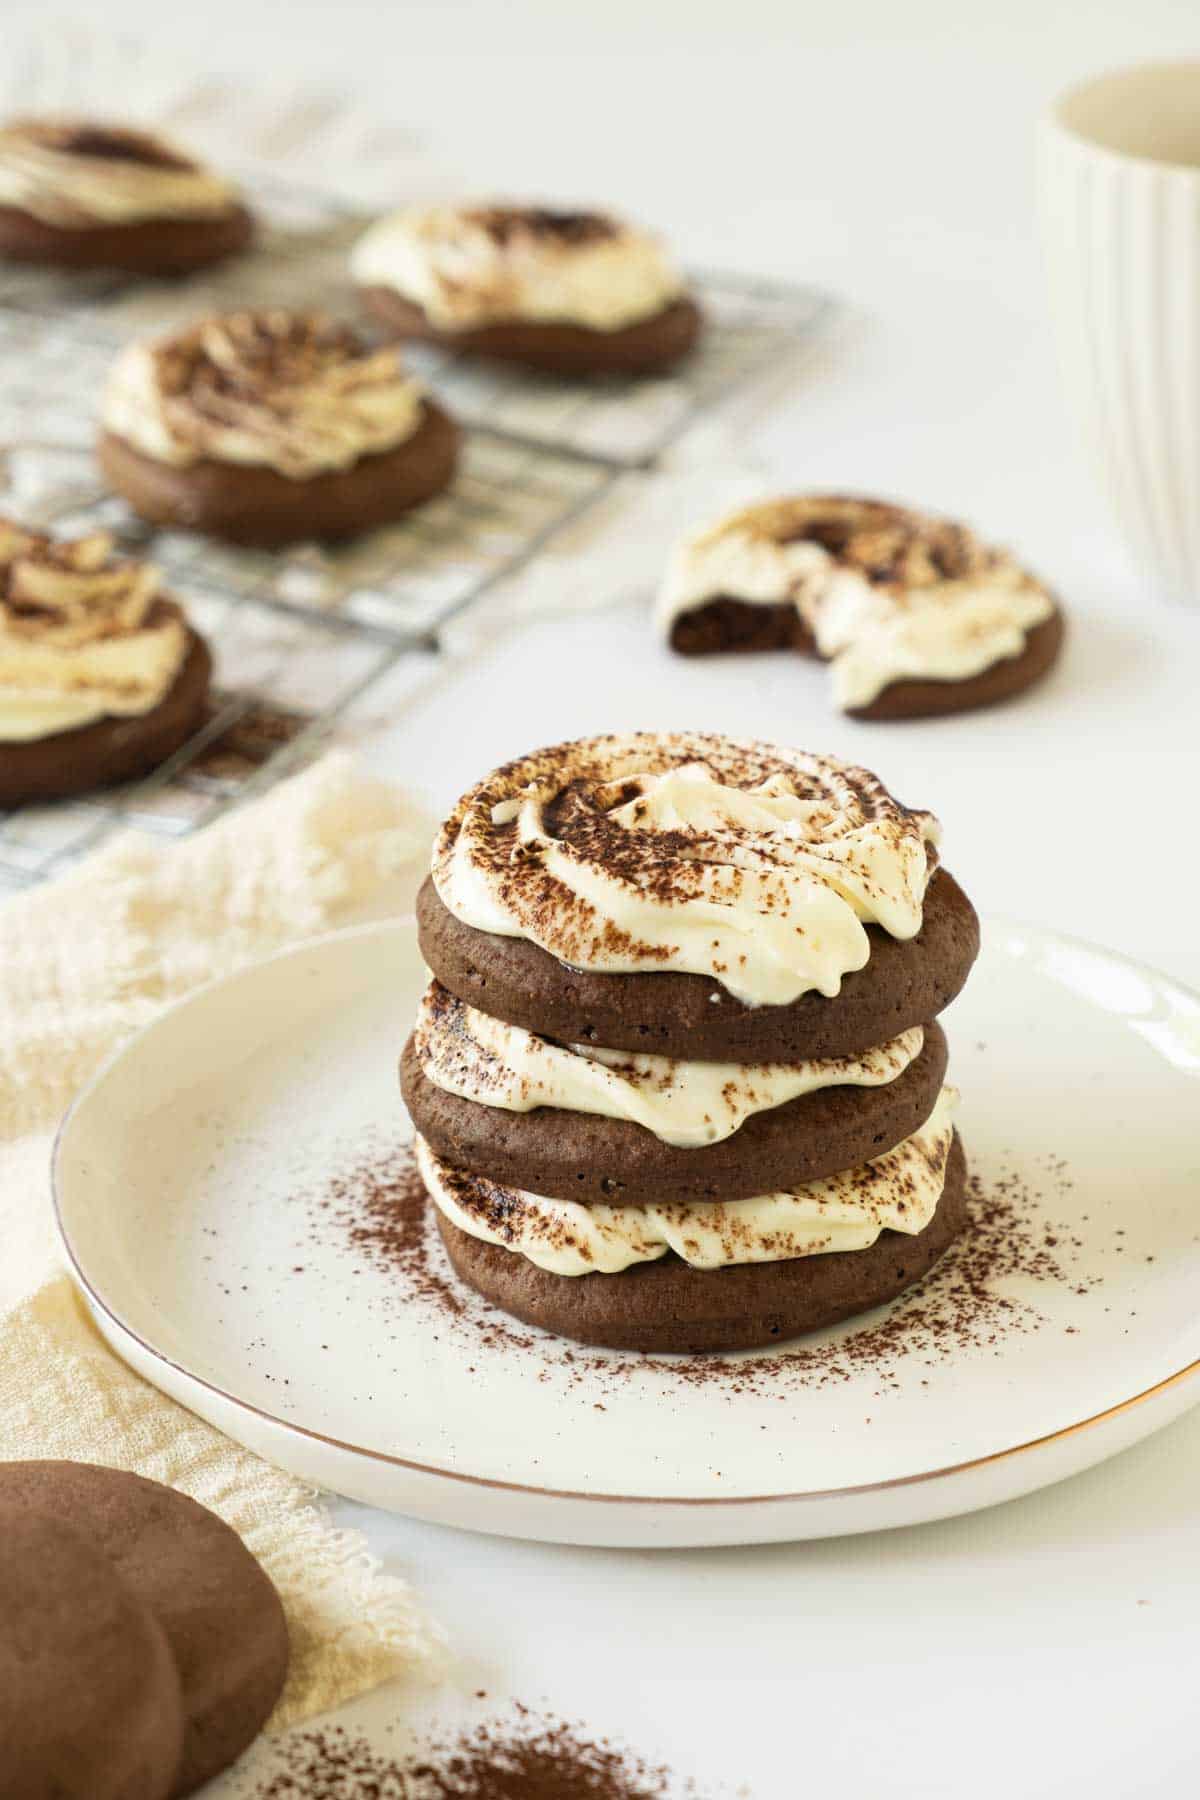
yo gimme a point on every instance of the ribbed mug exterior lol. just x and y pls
(1122, 241)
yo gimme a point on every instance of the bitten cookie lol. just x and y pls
(80, 195)
(219, 1612)
(267, 428)
(914, 615)
(89, 1693)
(572, 293)
(102, 678)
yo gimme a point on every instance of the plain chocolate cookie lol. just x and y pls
(558, 348)
(256, 505)
(666, 1306)
(109, 750)
(725, 624)
(140, 247)
(905, 982)
(89, 1691)
(586, 1156)
(220, 1613)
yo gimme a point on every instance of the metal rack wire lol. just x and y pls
(299, 636)
(750, 327)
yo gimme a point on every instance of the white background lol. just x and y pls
(1047, 1648)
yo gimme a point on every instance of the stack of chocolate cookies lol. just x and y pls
(677, 1082)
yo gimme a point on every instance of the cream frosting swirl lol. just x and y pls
(898, 1191)
(887, 594)
(757, 866)
(74, 174)
(294, 392)
(469, 266)
(688, 1104)
(83, 635)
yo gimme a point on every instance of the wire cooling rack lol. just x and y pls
(299, 636)
(751, 327)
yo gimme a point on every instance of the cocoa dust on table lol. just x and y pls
(529, 1756)
(378, 1211)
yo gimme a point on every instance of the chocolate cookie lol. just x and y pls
(644, 347)
(903, 605)
(221, 1615)
(254, 504)
(729, 625)
(667, 1306)
(725, 624)
(143, 247)
(905, 982)
(82, 194)
(109, 750)
(1003, 681)
(586, 1156)
(89, 1691)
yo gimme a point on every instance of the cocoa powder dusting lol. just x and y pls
(531, 1756)
(378, 1209)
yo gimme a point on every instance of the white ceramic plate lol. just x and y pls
(205, 1177)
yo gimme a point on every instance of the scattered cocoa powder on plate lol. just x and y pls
(377, 1209)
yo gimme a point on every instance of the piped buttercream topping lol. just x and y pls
(756, 866)
(470, 266)
(898, 1191)
(295, 392)
(84, 635)
(688, 1104)
(75, 174)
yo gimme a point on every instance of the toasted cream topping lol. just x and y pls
(887, 594)
(898, 1191)
(757, 866)
(688, 1104)
(83, 636)
(292, 391)
(467, 266)
(75, 174)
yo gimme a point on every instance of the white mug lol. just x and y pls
(1119, 194)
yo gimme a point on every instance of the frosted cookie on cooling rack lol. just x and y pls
(101, 676)
(573, 293)
(270, 428)
(77, 194)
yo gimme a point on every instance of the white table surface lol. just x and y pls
(1048, 1647)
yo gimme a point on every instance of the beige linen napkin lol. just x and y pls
(84, 961)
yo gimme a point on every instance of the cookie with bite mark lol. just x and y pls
(915, 615)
